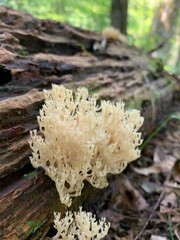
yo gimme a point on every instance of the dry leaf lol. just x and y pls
(158, 155)
(154, 237)
(174, 137)
(126, 197)
(177, 231)
(168, 203)
(160, 167)
(176, 217)
(176, 171)
(147, 171)
(126, 238)
(111, 216)
(176, 152)
(149, 187)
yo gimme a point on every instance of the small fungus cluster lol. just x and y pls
(79, 225)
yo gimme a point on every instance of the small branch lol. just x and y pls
(139, 236)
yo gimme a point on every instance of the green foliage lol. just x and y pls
(95, 15)
(31, 175)
(173, 116)
(89, 14)
(139, 22)
(170, 226)
(33, 226)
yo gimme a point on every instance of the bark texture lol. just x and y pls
(33, 55)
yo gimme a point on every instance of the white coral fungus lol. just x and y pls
(81, 140)
(79, 225)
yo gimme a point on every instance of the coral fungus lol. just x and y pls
(79, 225)
(82, 140)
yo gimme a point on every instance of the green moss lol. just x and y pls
(15, 210)
(23, 52)
(20, 232)
(34, 225)
(31, 227)
(31, 175)
(94, 87)
(155, 66)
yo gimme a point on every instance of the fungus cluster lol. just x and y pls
(79, 225)
(81, 139)
(112, 33)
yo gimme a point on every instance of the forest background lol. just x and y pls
(152, 25)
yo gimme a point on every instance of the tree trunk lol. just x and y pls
(165, 27)
(34, 54)
(119, 10)
(59, 6)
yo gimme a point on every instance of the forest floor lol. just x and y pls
(144, 202)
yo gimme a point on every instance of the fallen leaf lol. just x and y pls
(158, 155)
(168, 203)
(126, 238)
(174, 137)
(147, 171)
(111, 216)
(126, 197)
(176, 152)
(149, 187)
(176, 217)
(177, 231)
(176, 171)
(154, 237)
(160, 167)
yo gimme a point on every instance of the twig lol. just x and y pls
(176, 231)
(173, 185)
(154, 209)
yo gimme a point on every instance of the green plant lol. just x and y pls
(172, 116)
(170, 227)
(34, 225)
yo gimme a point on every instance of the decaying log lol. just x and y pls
(33, 55)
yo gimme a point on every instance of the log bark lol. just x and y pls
(33, 55)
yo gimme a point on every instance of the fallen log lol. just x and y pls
(33, 55)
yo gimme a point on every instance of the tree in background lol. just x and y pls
(165, 31)
(144, 21)
(119, 14)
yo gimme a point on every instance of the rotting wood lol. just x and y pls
(33, 55)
